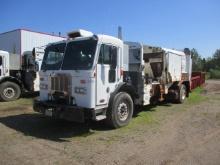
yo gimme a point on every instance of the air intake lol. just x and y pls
(60, 83)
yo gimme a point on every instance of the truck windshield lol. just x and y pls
(53, 57)
(79, 55)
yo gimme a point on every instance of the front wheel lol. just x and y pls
(121, 110)
(9, 91)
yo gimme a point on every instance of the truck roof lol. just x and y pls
(110, 39)
(174, 51)
(58, 42)
(101, 37)
(3, 52)
(81, 34)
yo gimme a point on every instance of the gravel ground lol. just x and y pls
(172, 134)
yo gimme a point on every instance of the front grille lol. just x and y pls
(60, 83)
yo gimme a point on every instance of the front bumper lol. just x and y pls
(67, 112)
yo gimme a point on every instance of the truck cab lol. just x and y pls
(82, 77)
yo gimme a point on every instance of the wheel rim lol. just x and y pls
(183, 94)
(9, 92)
(123, 111)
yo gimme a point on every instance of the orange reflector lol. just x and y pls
(94, 73)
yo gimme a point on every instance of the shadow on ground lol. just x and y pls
(43, 127)
(30, 94)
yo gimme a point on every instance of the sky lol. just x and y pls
(166, 23)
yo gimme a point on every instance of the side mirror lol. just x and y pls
(114, 63)
(36, 69)
(141, 67)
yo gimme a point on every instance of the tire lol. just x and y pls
(120, 112)
(9, 91)
(181, 94)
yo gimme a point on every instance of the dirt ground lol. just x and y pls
(162, 135)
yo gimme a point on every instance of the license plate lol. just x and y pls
(49, 112)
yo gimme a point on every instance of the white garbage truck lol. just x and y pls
(19, 74)
(100, 77)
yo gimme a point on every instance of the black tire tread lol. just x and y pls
(13, 85)
(111, 119)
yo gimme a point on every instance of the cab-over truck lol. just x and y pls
(101, 77)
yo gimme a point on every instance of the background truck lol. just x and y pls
(16, 75)
(20, 57)
(101, 77)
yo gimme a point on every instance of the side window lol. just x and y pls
(108, 55)
(0, 60)
(100, 60)
(113, 58)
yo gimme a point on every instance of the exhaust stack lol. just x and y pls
(120, 32)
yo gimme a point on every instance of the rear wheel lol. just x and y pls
(181, 94)
(9, 91)
(120, 112)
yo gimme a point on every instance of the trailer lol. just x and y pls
(101, 77)
(21, 54)
(19, 41)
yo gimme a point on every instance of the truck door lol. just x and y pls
(106, 73)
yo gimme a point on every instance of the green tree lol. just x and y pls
(209, 63)
(216, 59)
(203, 63)
(197, 62)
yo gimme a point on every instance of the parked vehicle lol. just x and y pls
(16, 75)
(101, 77)
(20, 61)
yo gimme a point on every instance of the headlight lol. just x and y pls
(43, 86)
(80, 90)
